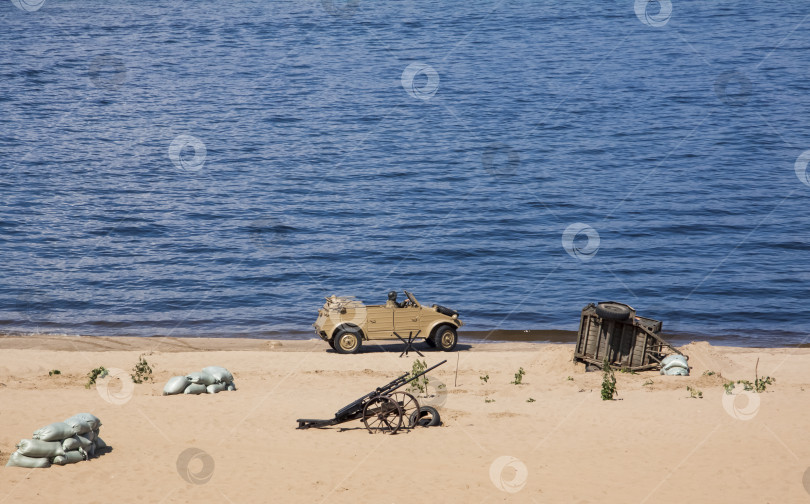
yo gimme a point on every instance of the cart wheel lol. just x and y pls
(446, 338)
(428, 417)
(347, 342)
(613, 311)
(382, 414)
(408, 403)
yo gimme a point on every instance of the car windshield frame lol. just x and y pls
(412, 299)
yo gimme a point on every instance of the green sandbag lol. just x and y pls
(91, 420)
(100, 443)
(90, 435)
(70, 457)
(36, 448)
(79, 426)
(201, 378)
(195, 388)
(71, 443)
(85, 443)
(18, 460)
(231, 386)
(54, 432)
(216, 387)
(219, 373)
(175, 385)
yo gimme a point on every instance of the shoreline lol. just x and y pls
(537, 336)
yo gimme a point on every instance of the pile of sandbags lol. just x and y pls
(675, 365)
(211, 380)
(60, 443)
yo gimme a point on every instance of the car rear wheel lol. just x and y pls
(347, 342)
(446, 338)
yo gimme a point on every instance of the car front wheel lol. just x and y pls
(446, 338)
(347, 342)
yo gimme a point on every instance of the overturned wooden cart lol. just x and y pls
(613, 330)
(384, 409)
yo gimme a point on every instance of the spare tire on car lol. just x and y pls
(446, 311)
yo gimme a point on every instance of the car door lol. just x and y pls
(380, 322)
(406, 320)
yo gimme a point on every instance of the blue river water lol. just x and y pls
(217, 169)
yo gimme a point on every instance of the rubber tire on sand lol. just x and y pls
(423, 421)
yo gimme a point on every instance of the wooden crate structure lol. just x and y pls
(634, 343)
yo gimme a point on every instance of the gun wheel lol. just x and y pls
(408, 403)
(382, 414)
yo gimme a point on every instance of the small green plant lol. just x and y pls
(747, 385)
(420, 384)
(531, 399)
(54, 372)
(761, 383)
(519, 377)
(626, 369)
(648, 383)
(488, 400)
(142, 372)
(95, 374)
(608, 382)
(570, 378)
(709, 373)
(694, 393)
(484, 378)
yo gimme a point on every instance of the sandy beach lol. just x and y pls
(654, 444)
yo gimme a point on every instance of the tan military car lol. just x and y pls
(345, 322)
